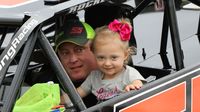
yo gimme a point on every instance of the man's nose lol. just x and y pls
(73, 58)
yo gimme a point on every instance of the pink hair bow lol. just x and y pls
(123, 29)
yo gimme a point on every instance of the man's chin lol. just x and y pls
(78, 77)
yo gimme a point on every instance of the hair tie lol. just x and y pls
(123, 29)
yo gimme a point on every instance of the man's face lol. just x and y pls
(78, 61)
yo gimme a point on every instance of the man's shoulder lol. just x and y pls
(95, 72)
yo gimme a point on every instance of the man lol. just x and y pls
(73, 41)
(73, 48)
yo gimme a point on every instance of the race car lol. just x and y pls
(171, 68)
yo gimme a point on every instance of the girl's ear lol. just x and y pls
(127, 55)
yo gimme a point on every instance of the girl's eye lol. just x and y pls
(114, 58)
(100, 58)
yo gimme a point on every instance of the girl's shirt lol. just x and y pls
(106, 89)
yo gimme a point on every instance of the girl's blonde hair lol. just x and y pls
(104, 30)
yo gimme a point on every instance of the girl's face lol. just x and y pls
(110, 56)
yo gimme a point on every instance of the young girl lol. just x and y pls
(110, 47)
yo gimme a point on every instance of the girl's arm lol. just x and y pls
(81, 92)
(64, 98)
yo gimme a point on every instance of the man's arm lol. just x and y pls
(64, 98)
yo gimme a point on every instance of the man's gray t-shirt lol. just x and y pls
(109, 88)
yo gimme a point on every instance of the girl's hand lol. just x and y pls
(137, 84)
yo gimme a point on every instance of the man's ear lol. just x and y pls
(90, 43)
(58, 53)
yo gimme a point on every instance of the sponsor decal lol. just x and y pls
(85, 5)
(15, 42)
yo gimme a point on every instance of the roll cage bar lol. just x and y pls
(30, 33)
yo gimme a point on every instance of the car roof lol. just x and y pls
(15, 11)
